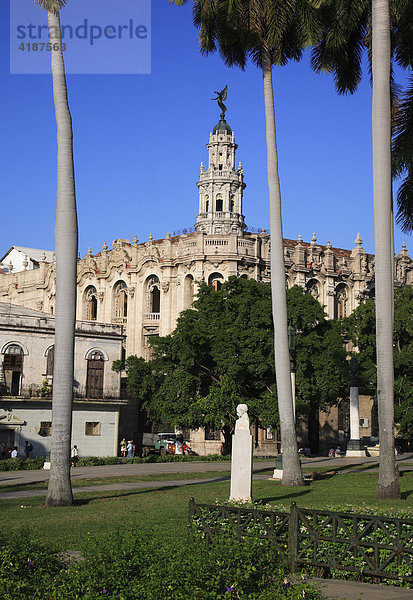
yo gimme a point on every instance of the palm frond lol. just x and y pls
(402, 32)
(53, 6)
(402, 158)
(404, 217)
(402, 145)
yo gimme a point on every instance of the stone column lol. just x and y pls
(354, 447)
(241, 460)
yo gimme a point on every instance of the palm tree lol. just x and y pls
(269, 32)
(388, 484)
(59, 491)
(348, 27)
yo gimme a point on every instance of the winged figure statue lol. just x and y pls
(221, 96)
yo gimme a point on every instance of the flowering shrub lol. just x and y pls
(130, 566)
(362, 545)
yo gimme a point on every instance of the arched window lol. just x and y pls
(94, 376)
(340, 302)
(154, 294)
(50, 361)
(13, 368)
(188, 291)
(219, 203)
(232, 203)
(216, 280)
(90, 303)
(121, 300)
(206, 203)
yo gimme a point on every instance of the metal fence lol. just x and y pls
(370, 545)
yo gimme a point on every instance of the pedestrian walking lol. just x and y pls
(27, 448)
(130, 449)
(123, 447)
(74, 456)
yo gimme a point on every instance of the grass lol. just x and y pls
(163, 511)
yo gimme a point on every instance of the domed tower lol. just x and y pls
(221, 186)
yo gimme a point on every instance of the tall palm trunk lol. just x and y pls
(292, 474)
(388, 485)
(59, 490)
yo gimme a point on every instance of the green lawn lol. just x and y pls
(163, 512)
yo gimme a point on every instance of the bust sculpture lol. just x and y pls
(243, 422)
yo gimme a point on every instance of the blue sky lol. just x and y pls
(139, 141)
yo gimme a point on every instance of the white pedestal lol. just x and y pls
(355, 453)
(278, 474)
(46, 466)
(241, 466)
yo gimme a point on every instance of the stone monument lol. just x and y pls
(355, 446)
(241, 461)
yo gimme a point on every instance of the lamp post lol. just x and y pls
(291, 347)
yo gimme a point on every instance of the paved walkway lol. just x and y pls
(334, 589)
(342, 464)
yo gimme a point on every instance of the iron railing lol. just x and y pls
(368, 544)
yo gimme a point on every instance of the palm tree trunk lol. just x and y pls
(292, 474)
(388, 485)
(59, 491)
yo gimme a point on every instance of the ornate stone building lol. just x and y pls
(145, 285)
(26, 379)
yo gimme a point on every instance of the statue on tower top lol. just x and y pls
(221, 96)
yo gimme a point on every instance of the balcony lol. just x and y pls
(152, 316)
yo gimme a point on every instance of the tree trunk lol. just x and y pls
(292, 474)
(227, 432)
(388, 485)
(59, 490)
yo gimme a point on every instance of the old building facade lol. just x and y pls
(144, 286)
(26, 381)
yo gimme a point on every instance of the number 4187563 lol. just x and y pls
(39, 47)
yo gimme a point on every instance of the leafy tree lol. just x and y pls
(269, 32)
(221, 354)
(321, 359)
(360, 330)
(59, 491)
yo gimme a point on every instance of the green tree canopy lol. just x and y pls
(221, 354)
(360, 330)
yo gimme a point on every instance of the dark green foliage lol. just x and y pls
(320, 357)
(360, 329)
(97, 461)
(27, 568)
(222, 353)
(22, 464)
(132, 564)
